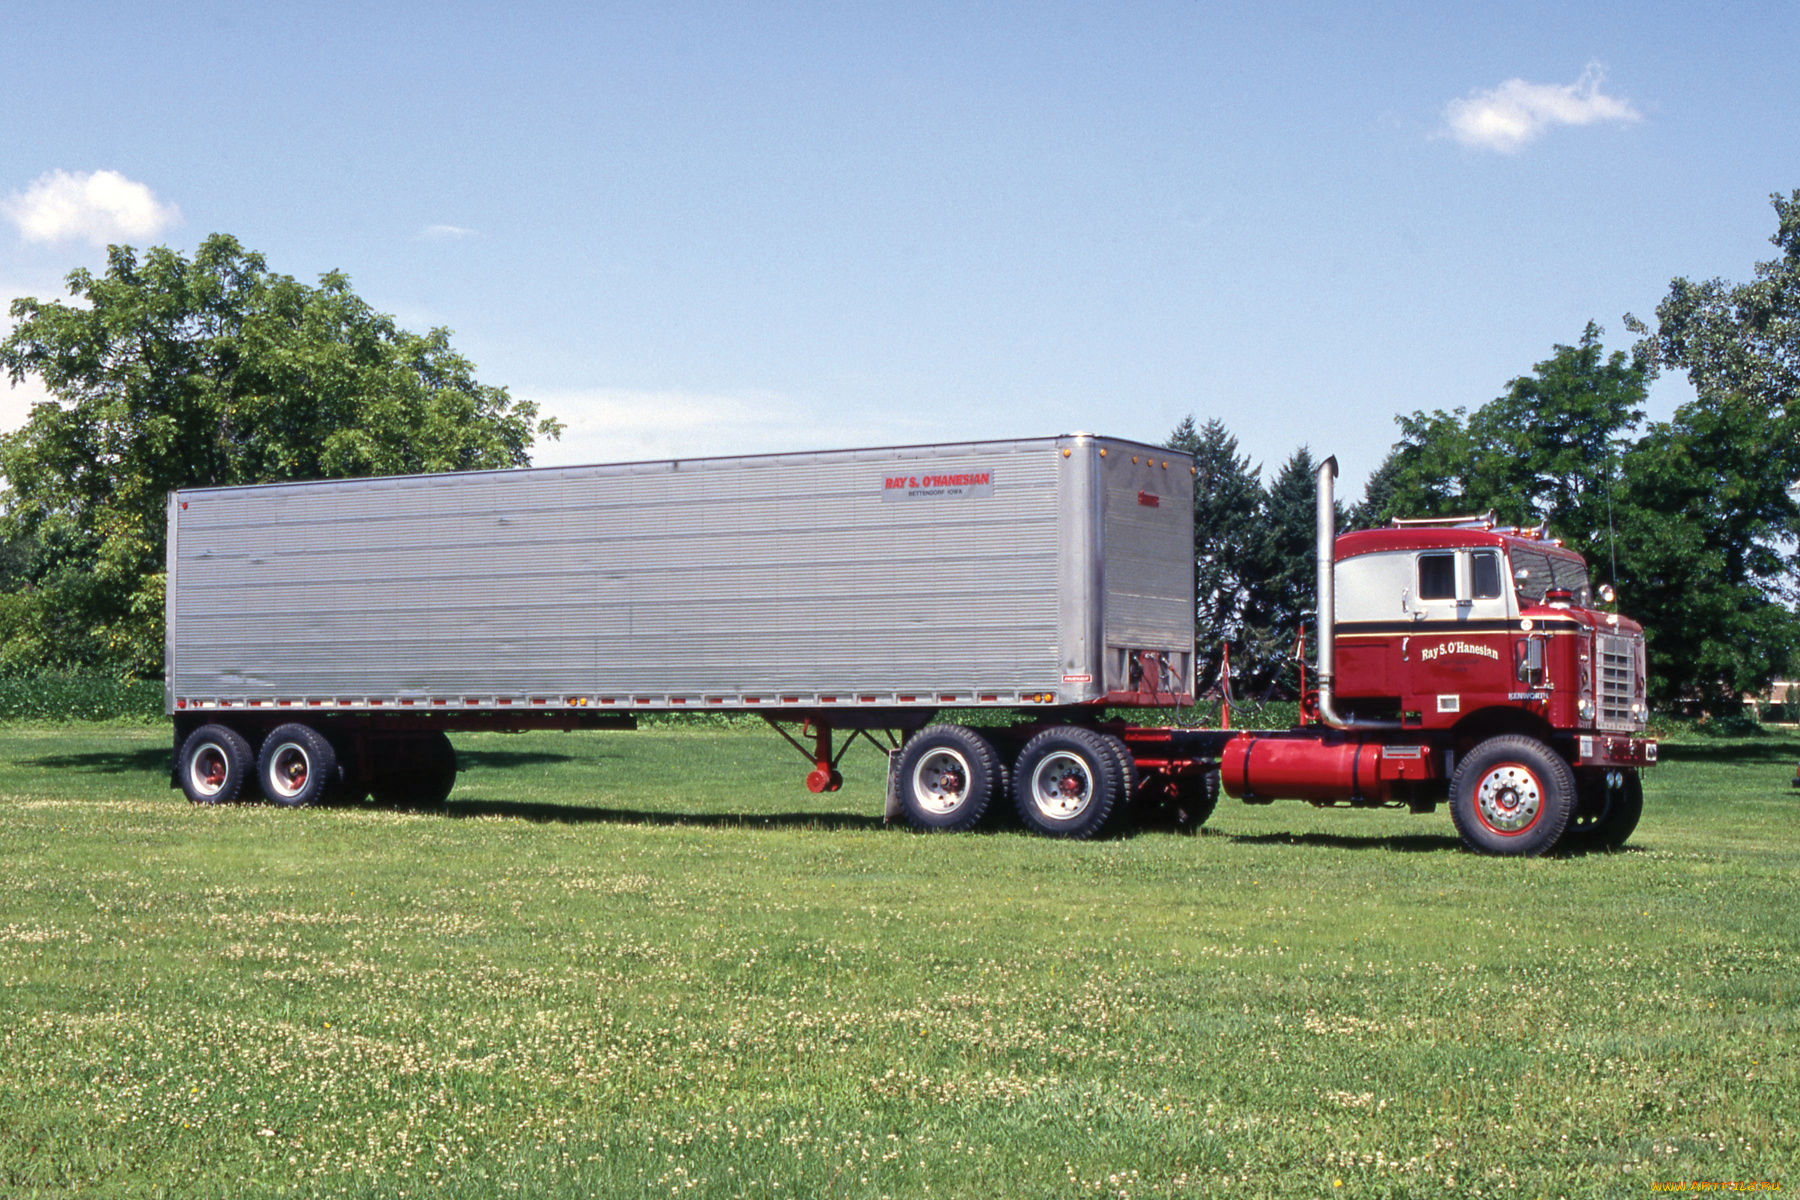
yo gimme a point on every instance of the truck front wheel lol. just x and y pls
(948, 776)
(1610, 802)
(1512, 795)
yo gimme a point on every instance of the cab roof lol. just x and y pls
(1375, 541)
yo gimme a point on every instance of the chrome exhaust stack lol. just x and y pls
(1326, 553)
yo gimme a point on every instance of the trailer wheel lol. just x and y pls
(1195, 798)
(213, 763)
(1512, 795)
(948, 776)
(296, 766)
(1067, 783)
(1609, 805)
(420, 774)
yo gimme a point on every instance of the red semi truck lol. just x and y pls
(1458, 662)
(1467, 663)
(329, 636)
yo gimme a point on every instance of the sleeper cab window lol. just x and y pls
(1437, 576)
(1484, 574)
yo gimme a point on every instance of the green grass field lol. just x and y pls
(651, 964)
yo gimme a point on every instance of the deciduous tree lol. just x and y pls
(1713, 545)
(171, 372)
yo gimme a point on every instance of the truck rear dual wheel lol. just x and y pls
(1195, 798)
(1069, 782)
(213, 765)
(1609, 805)
(1513, 795)
(947, 777)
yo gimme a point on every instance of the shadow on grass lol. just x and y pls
(575, 814)
(105, 762)
(500, 760)
(1410, 843)
(1730, 752)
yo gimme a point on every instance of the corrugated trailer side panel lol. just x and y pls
(745, 579)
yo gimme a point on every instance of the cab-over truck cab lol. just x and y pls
(1468, 663)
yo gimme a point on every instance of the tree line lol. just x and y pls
(171, 372)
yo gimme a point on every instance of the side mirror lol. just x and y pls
(1528, 660)
(1605, 593)
(1521, 574)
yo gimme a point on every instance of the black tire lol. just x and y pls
(1610, 801)
(1067, 783)
(1195, 798)
(1512, 795)
(213, 764)
(419, 772)
(947, 775)
(296, 766)
(1127, 766)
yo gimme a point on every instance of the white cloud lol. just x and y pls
(1508, 117)
(437, 233)
(614, 425)
(95, 206)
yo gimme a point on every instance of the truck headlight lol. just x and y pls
(1586, 709)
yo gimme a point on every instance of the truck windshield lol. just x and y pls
(1537, 571)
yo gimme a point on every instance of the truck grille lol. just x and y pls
(1618, 662)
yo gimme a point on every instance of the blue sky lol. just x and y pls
(706, 229)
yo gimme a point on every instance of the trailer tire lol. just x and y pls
(947, 775)
(213, 764)
(296, 766)
(1067, 783)
(1512, 795)
(1610, 803)
(1195, 799)
(420, 775)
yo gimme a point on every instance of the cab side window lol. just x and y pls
(1484, 574)
(1437, 576)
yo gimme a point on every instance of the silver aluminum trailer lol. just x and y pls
(345, 626)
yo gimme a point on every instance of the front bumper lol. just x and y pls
(1614, 750)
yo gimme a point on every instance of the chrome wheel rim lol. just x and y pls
(208, 768)
(1062, 786)
(1508, 799)
(941, 781)
(289, 769)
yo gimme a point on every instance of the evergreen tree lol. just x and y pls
(1227, 503)
(1282, 589)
